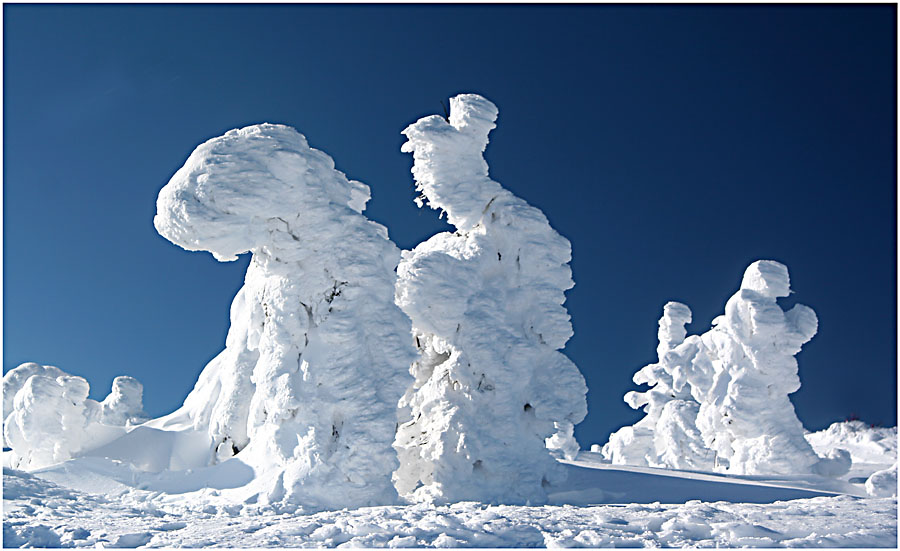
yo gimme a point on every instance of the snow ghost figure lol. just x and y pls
(667, 436)
(740, 373)
(486, 302)
(51, 419)
(15, 379)
(745, 415)
(317, 354)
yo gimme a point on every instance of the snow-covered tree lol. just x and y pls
(486, 302)
(51, 418)
(14, 380)
(317, 354)
(745, 415)
(667, 436)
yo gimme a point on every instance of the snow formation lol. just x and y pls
(738, 375)
(50, 417)
(317, 354)
(883, 483)
(486, 302)
(667, 436)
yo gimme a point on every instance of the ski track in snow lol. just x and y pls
(38, 513)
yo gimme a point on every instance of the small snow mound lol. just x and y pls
(29, 535)
(833, 464)
(883, 483)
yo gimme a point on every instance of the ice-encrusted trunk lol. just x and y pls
(316, 358)
(667, 436)
(486, 304)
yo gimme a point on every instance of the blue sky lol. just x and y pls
(672, 145)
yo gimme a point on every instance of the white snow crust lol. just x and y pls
(720, 399)
(317, 354)
(40, 513)
(51, 419)
(486, 303)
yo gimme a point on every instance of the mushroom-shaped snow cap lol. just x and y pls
(768, 278)
(677, 313)
(473, 112)
(231, 187)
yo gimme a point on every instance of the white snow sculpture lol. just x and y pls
(317, 354)
(52, 419)
(47, 424)
(740, 373)
(15, 379)
(745, 415)
(124, 404)
(667, 436)
(488, 318)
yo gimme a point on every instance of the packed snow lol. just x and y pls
(40, 513)
(368, 397)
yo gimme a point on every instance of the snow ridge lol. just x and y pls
(316, 357)
(486, 304)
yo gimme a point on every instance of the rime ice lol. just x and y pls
(50, 417)
(667, 436)
(317, 354)
(733, 383)
(486, 304)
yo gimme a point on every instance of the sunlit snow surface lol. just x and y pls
(40, 513)
(89, 501)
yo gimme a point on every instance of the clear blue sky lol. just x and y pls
(672, 145)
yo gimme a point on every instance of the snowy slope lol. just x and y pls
(40, 513)
(91, 501)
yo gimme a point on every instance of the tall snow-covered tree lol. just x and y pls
(667, 436)
(317, 354)
(486, 302)
(51, 419)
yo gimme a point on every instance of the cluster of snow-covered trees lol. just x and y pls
(356, 374)
(720, 400)
(49, 418)
(334, 390)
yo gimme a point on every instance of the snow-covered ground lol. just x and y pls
(91, 501)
